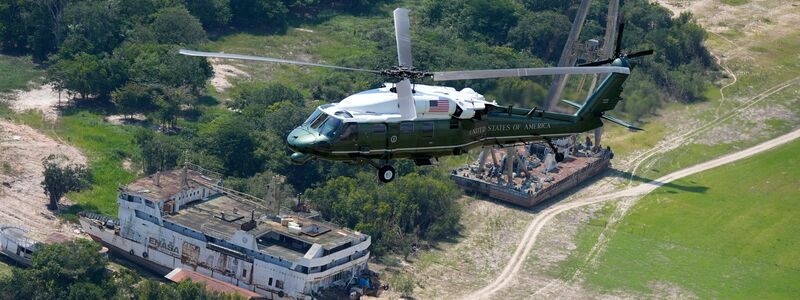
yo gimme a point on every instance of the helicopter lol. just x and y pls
(401, 120)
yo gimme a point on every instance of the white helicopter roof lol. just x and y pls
(381, 104)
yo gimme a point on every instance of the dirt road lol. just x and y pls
(22, 200)
(532, 232)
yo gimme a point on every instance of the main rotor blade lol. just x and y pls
(597, 63)
(640, 53)
(481, 74)
(268, 59)
(405, 100)
(403, 34)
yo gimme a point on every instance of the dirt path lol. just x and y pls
(22, 200)
(535, 227)
(674, 142)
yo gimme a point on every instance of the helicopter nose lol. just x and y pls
(300, 140)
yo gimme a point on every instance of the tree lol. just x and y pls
(166, 111)
(487, 20)
(162, 65)
(61, 271)
(263, 94)
(92, 27)
(14, 29)
(259, 14)
(76, 270)
(159, 152)
(87, 75)
(212, 13)
(132, 98)
(413, 208)
(543, 33)
(175, 25)
(46, 27)
(60, 179)
(228, 138)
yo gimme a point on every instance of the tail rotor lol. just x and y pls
(618, 50)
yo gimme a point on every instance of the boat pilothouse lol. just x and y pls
(182, 219)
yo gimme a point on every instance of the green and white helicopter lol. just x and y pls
(423, 122)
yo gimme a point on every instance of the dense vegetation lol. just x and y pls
(676, 71)
(75, 270)
(120, 56)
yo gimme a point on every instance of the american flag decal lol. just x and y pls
(441, 105)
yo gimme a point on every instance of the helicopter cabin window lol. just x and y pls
(330, 127)
(427, 129)
(316, 114)
(406, 127)
(454, 123)
(378, 128)
(349, 132)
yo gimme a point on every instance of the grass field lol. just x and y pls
(17, 73)
(737, 238)
(5, 269)
(106, 147)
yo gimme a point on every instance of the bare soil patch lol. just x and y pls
(125, 119)
(43, 98)
(22, 199)
(222, 73)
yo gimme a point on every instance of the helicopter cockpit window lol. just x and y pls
(316, 123)
(330, 127)
(313, 117)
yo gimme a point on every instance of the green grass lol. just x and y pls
(777, 64)
(333, 42)
(5, 270)
(17, 72)
(586, 237)
(104, 144)
(730, 233)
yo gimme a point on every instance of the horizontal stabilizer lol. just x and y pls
(621, 123)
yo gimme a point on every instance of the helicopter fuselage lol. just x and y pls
(420, 140)
(366, 127)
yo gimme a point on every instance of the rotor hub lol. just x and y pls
(401, 72)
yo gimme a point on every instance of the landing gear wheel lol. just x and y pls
(559, 157)
(386, 174)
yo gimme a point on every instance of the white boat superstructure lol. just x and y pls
(183, 219)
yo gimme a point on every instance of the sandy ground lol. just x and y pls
(222, 72)
(42, 98)
(125, 119)
(22, 200)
